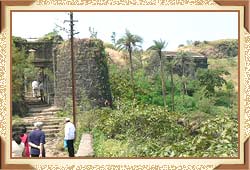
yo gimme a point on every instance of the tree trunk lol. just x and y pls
(183, 77)
(185, 86)
(141, 60)
(131, 71)
(172, 88)
(163, 84)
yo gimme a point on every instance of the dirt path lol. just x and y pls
(86, 146)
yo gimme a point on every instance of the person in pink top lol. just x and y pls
(24, 138)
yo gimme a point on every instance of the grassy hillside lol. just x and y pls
(229, 64)
(214, 49)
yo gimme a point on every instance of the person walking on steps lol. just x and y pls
(17, 146)
(34, 85)
(41, 88)
(24, 138)
(37, 141)
(69, 131)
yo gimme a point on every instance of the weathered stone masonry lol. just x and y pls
(91, 72)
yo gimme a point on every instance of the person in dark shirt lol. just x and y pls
(37, 141)
(41, 88)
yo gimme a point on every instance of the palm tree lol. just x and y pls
(127, 42)
(158, 47)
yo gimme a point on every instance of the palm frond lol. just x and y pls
(158, 45)
(128, 40)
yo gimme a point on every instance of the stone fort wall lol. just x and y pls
(91, 73)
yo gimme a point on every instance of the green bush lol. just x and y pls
(67, 111)
(133, 124)
(228, 48)
(185, 104)
(151, 131)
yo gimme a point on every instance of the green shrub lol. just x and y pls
(228, 48)
(151, 131)
(185, 104)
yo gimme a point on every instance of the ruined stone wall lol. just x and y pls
(191, 65)
(91, 73)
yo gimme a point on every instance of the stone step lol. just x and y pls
(30, 122)
(44, 109)
(44, 118)
(46, 113)
(47, 122)
(46, 127)
(31, 98)
(51, 140)
(48, 131)
(37, 105)
(50, 135)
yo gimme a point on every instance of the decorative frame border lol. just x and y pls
(3, 77)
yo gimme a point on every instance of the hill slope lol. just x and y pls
(214, 49)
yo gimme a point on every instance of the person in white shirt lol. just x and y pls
(69, 137)
(34, 88)
(17, 146)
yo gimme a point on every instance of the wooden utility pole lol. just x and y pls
(72, 64)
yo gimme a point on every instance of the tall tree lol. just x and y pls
(184, 61)
(158, 47)
(127, 42)
(212, 79)
(170, 68)
(23, 69)
(53, 37)
(138, 52)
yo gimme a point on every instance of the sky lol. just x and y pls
(173, 27)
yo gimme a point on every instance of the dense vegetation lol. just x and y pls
(22, 71)
(204, 121)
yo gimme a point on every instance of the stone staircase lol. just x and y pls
(53, 126)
